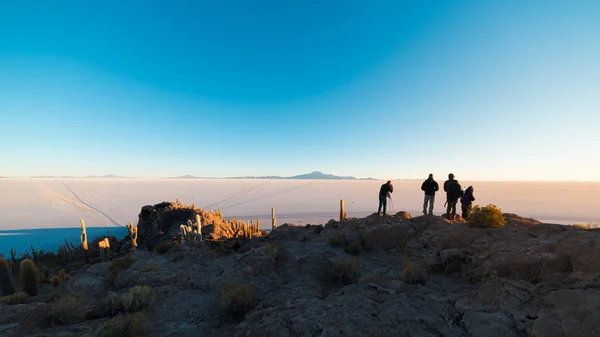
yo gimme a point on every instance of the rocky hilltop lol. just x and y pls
(375, 276)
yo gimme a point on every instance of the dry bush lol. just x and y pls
(55, 281)
(238, 299)
(124, 326)
(587, 226)
(373, 278)
(345, 269)
(335, 240)
(319, 229)
(276, 251)
(120, 264)
(163, 247)
(135, 299)
(488, 216)
(415, 272)
(67, 310)
(18, 298)
(355, 248)
(150, 268)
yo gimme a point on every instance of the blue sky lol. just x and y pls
(489, 90)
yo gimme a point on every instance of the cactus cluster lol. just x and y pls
(133, 233)
(13, 254)
(29, 278)
(66, 252)
(217, 213)
(104, 246)
(244, 229)
(6, 282)
(192, 231)
(36, 254)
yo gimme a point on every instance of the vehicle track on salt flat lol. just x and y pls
(91, 206)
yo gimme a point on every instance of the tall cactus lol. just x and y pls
(199, 226)
(13, 254)
(84, 241)
(6, 282)
(29, 278)
(133, 233)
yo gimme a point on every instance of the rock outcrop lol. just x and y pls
(523, 279)
(161, 222)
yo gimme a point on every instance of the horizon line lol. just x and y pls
(285, 178)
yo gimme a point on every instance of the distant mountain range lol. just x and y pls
(316, 175)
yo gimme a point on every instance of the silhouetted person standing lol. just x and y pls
(384, 194)
(429, 186)
(453, 193)
(466, 201)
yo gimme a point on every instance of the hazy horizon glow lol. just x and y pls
(498, 91)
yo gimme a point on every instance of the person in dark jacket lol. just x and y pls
(453, 193)
(429, 186)
(384, 194)
(466, 202)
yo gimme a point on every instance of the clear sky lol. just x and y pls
(489, 90)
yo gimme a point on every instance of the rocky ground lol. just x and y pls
(354, 278)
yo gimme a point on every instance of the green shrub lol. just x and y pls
(319, 229)
(276, 251)
(335, 240)
(67, 310)
(373, 278)
(135, 299)
(18, 298)
(237, 299)
(163, 247)
(488, 216)
(415, 271)
(7, 286)
(29, 278)
(124, 326)
(345, 269)
(119, 264)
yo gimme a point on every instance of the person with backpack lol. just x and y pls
(429, 186)
(453, 193)
(466, 201)
(384, 194)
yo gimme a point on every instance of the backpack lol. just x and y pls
(457, 190)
